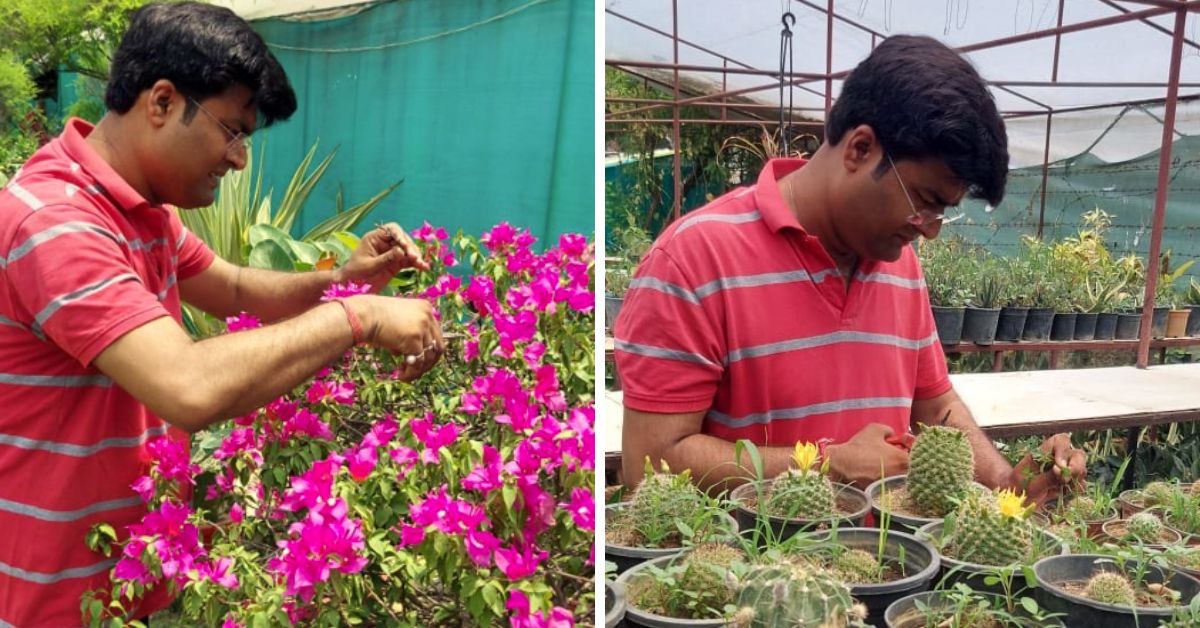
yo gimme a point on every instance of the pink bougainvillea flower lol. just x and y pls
(539, 505)
(339, 392)
(237, 513)
(470, 350)
(518, 565)
(500, 236)
(481, 293)
(433, 439)
(547, 392)
(382, 432)
(518, 603)
(220, 573)
(306, 423)
(230, 622)
(172, 460)
(361, 462)
(411, 535)
(533, 354)
(485, 477)
(480, 544)
(405, 458)
(314, 487)
(325, 541)
(242, 321)
(144, 487)
(582, 508)
(573, 245)
(342, 290)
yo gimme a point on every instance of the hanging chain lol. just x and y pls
(786, 70)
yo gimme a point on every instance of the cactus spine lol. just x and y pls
(941, 467)
(661, 500)
(1144, 526)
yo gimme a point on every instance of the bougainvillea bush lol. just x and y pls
(463, 498)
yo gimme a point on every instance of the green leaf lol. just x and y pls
(271, 255)
(1030, 604)
(280, 476)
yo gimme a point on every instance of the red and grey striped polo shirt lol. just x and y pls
(84, 259)
(737, 311)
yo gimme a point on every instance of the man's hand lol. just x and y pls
(1067, 470)
(861, 459)
(381, 254)
(404, 327)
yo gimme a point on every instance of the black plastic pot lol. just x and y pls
(1063, 327)
(903, 613)
(979, 325)
(635, 616)
(1158, 328)
(627, 557)
(1085, 325)
(1011, 323)
(1038, 323)
(1080, 611)
(612, 307)
(949, 322)
(921, 562)
(1128, 325)
(849, 499)
(1193, 324)
(973, 574)
(614, 604)
(1106, 326)
(897, 521)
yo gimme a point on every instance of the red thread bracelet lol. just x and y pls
(356, 332)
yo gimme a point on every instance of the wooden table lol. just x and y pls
(1034, 402)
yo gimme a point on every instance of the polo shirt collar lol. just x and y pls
(776, 213)
(74, 140)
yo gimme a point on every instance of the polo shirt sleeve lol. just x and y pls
(74, 284)
(932, 377)
(668, 350)
(194, 255)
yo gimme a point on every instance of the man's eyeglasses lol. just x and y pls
(237, 140)
(921, 217)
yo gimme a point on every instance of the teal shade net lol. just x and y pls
(485, 108)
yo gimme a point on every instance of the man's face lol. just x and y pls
(886, 210)
(193, 155)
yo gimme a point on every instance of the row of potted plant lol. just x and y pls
(946, 552)
(1073, 289)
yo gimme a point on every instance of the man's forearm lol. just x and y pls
(244, 371)
(711, 460)
(991, 468)
(273, 295)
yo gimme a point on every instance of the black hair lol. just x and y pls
(923, 99)
(202, 49)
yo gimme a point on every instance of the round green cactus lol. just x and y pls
(1158, 493)
(706, 574)
(789, 595)
(991, 530)
(1145, 526)
(856, 566)
(802, 494)
(662, 499)
(1110, 588)
(1083, 508)
(940, 469)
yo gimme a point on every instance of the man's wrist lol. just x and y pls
(829, 452)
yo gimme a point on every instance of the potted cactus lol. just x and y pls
(879, 565)
(1182, 514)
(983, 312)
(794, 594)
(961, 607)
(1142, 528)
(1014, 298)
(800, 499)
(1094, 590)
(1191, 299)
(988, 533)
(941, 469)
(667, 512)
(1157, 493)
(940, 264)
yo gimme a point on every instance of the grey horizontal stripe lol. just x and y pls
(182, 237)
(751, 281)
(137, 245)
(11, 323)
(81, 451)
(38, 577)
(4, 624)
(891, 279)
(46, 235)
(62, 381)
(650, 283)
(801, 412)
(78, 295)
(660, 352)
(822, 275)
(734, 219)
(23, 194)
(43, 514)
(827, 339)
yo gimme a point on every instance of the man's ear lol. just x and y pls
(859, 148)
(161, 101)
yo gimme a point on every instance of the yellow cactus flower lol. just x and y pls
(805, 455)
(1012, 504)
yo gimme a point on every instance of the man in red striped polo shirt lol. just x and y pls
(795, 309)
(95, 263)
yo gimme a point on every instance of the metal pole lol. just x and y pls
(675, 125)
(828, 57)
(1045, 176)
(1160, 198)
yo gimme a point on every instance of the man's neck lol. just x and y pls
(119, 154)
(806, 192)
